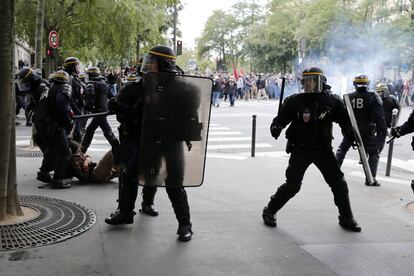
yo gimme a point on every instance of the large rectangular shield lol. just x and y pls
(174, 132)
(358, 140)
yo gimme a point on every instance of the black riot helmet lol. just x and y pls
(361, 82)
(72, 65)
(93, 72)
(59, 77)
(26, 78)
(159, 58)
(313, 80)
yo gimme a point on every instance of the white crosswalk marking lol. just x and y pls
(224, 133)
(238, 146)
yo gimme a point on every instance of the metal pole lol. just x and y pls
(253, 135)
(175, 27)
(391, 145)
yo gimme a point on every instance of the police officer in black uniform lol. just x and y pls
(405, 128)
(72, 66)
(389, 102)
(129, 108)
(34, 85)
(97, 93)
(309, 135)
(369, 114)
(54, 124)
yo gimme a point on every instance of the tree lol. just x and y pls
(40, 18)
(9, 204)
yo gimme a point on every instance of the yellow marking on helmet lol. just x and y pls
(61, 75)
(312, 73)
(161, 54)
(361, 80)
(70, 62)
(28, 73)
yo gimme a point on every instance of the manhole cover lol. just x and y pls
(57, 221)
(28, 151)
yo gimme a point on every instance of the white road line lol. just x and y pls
(227, 139)
(271, 154)
(218, 128)
(238, 146)
(381, 179)
(226, 156)
(224, 133)
(406, 165)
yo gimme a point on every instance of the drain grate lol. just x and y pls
(58, 220)
(27, 151)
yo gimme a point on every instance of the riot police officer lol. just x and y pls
(406, 128)
(309, 135)
(97, 93)
(54, 124)
(72, 66)
(369, 114)
(389, 102)
(129, 108)
(34, 85)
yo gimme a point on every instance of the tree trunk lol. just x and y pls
(8, 196)
(138, 49)
(40, 17)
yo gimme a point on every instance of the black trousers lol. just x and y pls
(55, 148)
(324, 160)
(129, 160)
(372, 148)
(96, 122)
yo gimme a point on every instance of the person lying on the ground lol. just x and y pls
(87, 171)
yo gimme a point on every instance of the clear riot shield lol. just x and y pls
(174, 131)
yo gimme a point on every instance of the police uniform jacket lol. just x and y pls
(310, 116)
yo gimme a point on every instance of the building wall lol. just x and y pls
(22, 51)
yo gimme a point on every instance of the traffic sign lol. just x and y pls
(53, 39)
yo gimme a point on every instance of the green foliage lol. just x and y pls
(96, 30)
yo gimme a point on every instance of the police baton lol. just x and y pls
(92, 115)
(282, 92)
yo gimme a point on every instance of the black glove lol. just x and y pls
(396, 132)
(113, 105)
(275, 130)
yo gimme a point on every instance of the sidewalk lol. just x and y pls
(229, 235)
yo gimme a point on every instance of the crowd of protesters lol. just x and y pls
(251, 87)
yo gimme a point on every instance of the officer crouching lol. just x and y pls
(309, 135)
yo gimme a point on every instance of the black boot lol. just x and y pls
(268, 217)
(184, 233)
(148, 194)
(60, 184)
(128, 189)
(120, 218)
(44, 177)
(341, 199)
(349, 224)
(148, 210)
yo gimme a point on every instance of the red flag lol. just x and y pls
(236, 75)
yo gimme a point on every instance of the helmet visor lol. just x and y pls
(149, 65)
(311, 83)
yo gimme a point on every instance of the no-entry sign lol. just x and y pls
(53, 39)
